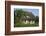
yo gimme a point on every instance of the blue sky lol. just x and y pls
(34, 11)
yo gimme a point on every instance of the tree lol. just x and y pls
(36, 19)
(19, 13)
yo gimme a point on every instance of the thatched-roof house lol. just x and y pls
(29, 17)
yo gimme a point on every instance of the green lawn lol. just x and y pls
(21, 24)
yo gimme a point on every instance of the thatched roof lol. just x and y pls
(30, 16)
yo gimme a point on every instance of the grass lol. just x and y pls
(21, 24)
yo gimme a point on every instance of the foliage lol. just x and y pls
(36, 19)
(18, 14)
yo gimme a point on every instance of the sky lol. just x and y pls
(34, 11)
